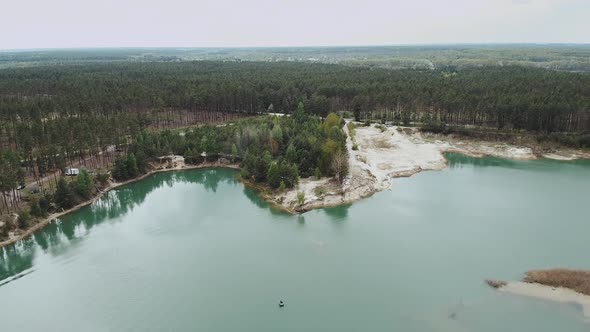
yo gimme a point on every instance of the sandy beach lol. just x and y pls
(542, 292)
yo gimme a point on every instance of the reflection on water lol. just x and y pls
(457, 160)
(338, 213)
(113, 206)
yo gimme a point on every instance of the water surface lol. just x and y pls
(195, 250)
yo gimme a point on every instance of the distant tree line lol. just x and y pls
(501, 97)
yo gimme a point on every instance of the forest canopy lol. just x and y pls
(501, 97)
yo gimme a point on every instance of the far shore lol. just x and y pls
(377, 155)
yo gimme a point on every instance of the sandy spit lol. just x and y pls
(539, 291)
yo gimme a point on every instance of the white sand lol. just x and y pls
(543, 292)
(395, 152)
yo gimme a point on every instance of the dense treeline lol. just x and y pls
(502, 97)
(273, 151)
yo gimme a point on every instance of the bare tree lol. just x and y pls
(340, 165)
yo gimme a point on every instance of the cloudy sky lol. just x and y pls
(215, 23)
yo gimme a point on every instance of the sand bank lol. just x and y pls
(543, 292)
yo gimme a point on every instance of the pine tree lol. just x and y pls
(234, 152)
(132, 169)
(273, 176)
(84, 184)
(64, 198)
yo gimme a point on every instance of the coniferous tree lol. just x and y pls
(64, 197)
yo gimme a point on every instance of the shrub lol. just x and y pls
(319, 191)
(45, 203)
(37, 211)
(102, 179)
(4, 231)
(496, 283)
(351, 129)
(300, 198)
(355, 147)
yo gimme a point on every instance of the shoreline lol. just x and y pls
(112, 185)
(381, 156)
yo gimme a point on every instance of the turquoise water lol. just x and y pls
(196, 250)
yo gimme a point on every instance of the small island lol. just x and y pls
(560, 285)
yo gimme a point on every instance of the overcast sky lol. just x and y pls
(215, 23)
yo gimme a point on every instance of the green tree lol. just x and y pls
(234, 152)
(141, 162)
(64, 197)
(332, 120)
(45, 203)
(131, 165)
(119, 170)
(273, 176)
(84, 184)
(300, 116)
(291, 154)
(289, 174)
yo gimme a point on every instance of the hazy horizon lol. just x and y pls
(70, 24)
(442, 45)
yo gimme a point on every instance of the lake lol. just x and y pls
(196, 250)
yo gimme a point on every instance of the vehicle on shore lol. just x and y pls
(72, 171)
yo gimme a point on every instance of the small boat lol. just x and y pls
(281, 304)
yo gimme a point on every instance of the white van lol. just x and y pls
(72, 171)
